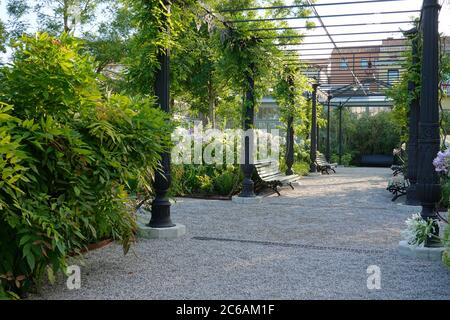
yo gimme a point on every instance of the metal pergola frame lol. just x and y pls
(424, 137)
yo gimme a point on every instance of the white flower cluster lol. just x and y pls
(418, 230)
(212, 146)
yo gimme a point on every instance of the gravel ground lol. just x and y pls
(315, 242)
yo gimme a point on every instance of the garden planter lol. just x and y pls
(94, 246)
(98, 245)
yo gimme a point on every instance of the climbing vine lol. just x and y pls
(291, 92)
(157, 26)
(400, 93)
(257, 54)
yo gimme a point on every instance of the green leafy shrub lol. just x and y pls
(191, 181)
(446, 242)
(67, 153)
(346, 160)
(363, 134)
(376, 134)
(205, 179)
(206, 184)
(301, 168)
(227, 181)
(177, 186)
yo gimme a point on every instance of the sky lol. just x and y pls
(401, 5)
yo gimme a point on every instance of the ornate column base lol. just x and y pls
(161, 214)
(247, 189)
(246, 200)
(145, 231)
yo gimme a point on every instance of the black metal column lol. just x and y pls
(328, 150)
(340, 135)
(428, 187)
(161, 204)
(318, 137)
(313, 147)
(290, 129)
(290, 145)
(249, 119)
(413, 118)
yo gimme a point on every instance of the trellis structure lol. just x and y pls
(424, 134)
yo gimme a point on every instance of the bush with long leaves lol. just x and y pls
(67, 153)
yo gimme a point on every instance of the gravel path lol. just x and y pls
(315, 242)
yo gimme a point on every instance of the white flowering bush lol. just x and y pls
(216, 147)
(418, 230)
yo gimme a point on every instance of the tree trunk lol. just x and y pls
(66, 16)
(212, 104)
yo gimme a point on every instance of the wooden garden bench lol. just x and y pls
(322, 164)
(269, 174)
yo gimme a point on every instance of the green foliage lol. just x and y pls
(205, 180)
(67, 153)
(177, 187)
(399, 92)
(111, 43)
(54, 17)
(376, 134)
(246, 56)
(301, 168)
(446, 242)
(445, 190)
(346, 160)
(301, 153)
(363, 134)
(206, 184)
(198, 81)
(185, 180)
(150, 20)
(226, 180)
(3, 36)
(290, 93)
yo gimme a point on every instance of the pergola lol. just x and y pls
(348, 87)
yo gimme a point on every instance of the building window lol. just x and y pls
(364, 64)
(392, 76)
(343, 65)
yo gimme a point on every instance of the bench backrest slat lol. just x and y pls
(321, 160)
(267, 168)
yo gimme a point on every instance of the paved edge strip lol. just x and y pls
(294, 245)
